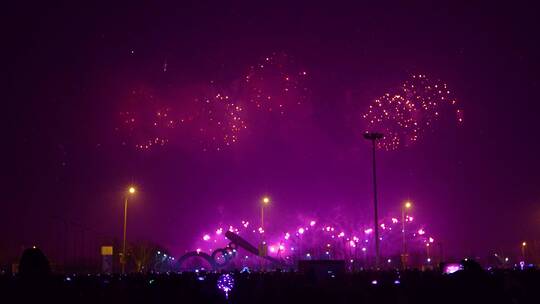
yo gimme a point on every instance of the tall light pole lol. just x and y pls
(131, 191)
(523, 245)
(373, 136)
(263, 248)
(264, 202)
(404, 254)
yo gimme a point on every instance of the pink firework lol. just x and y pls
(224, 122)
(274, 84)
(406, 113)
(214, 119)
(210, 115)
(145, 122)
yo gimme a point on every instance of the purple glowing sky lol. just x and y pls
(71, 71)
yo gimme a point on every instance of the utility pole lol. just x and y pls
(373, 136)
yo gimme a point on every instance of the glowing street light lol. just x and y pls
(265, 202)
(404, 255)
(523, 245)
(131, 191)
(373, 137)
(263, 247)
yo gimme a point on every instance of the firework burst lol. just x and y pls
(219, 122)
(211, 115)
(274, 84)
(146, 123)
(405, 114)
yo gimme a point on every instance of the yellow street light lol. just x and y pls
(263, 247)
(523, 245)
(265, 201)
(404, 254)
(131, 190)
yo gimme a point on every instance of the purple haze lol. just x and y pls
(70, 69)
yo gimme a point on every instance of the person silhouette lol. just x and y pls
(34, 265)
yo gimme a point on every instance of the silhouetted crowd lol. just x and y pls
(36, 284)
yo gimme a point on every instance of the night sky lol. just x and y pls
(72, 68)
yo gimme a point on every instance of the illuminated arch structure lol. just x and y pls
(221, 257)
(317, 239)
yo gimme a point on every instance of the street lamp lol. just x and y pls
(374, 136)
(265, 201)
(263, 247)
(131, 191)
(523, 245)
(404, 254)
